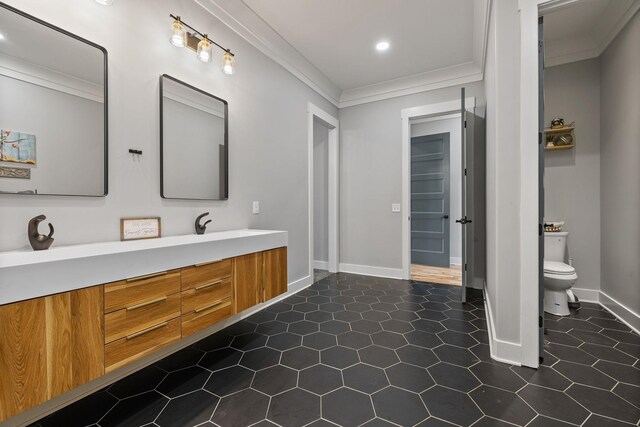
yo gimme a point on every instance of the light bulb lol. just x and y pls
(178, 35)
(105, 2)
(204, 50)
(229, 63)
(383, 45)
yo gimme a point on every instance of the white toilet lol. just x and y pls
(559, 277)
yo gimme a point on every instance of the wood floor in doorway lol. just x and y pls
(445, 276)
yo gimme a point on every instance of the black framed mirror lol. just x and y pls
(193, 142)
(53, 109)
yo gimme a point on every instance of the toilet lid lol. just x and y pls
(555, 267)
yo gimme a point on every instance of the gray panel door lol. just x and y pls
(430, 200)
(540, 189)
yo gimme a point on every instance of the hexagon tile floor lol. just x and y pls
(354, 350)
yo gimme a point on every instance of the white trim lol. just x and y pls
(40, 76)
(407, 115)
(247, 24)
(333, 206)
(529, 191)
(621, 311)
(320, 265)
(240, 18)
(452, 76)
(587, 295)
(32, 415)
(367, 270)
(500, 350)
(435, 119)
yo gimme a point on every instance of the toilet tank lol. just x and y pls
(555, 246)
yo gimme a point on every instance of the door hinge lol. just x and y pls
(465, 171)
(539, 229)
(539, 321)
(465, 266)
(539, 138)
(465, 124)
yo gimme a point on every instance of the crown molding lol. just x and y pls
(590, 45)
(242, 20)
(423, 82)
(245, 22)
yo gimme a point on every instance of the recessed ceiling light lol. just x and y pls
(1, 36)
(382, 45)
(105, 2)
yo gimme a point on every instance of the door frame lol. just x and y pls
(407, 115)
(333, 124)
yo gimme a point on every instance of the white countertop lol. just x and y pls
(31, 274)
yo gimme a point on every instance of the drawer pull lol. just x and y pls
(144, 304)
(215, 304)
(146, 276)
(208, 262)
(211, 284)
(153, 328)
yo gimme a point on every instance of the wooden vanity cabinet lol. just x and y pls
(274, 265)
(48, 346)
(207, 295)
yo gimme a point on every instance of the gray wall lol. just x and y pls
(267, 131)
(69, 134)
(370, 178)
(572, 177)
(320, 192)
(620, 174)
(452, 126)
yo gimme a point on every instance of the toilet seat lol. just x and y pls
(558, 268)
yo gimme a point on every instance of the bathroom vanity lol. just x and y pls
(72, 314)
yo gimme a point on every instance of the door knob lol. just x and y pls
(463, 221)
(445, 216)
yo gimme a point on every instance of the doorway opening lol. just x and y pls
(428, 166)
(436, 196)
(323, 131)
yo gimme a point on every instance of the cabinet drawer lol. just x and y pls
(206, 316)
(205, 295)
(137, 290)
(203, 274)
(139, 344)
(135, 318)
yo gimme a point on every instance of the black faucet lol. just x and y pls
(201, 228)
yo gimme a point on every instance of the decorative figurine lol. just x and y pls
(39, 242)
(200, 229)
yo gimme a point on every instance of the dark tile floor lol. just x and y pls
(354, 350)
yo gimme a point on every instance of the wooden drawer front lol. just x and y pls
(203, 274)
(204, 317)
(135, 318)
(137, 290)
(205, 295)
(139, 344)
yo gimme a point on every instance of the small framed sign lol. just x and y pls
(140, 228)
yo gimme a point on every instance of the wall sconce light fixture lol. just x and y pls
(200, 43)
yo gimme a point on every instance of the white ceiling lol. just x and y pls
(578, 30)
(330, 44)
(339, 36)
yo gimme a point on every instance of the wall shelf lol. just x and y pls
(556, 138)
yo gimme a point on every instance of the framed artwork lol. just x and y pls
(140, 228)
(22, 173)
(17, 147)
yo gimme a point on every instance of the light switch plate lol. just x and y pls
(256, 207)
(395, 207)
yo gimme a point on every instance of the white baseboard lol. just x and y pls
(392, 273)
(622, 312)
(321, 265)
(34, 414)
(455, 260)
(587, 295)
(502, 351)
